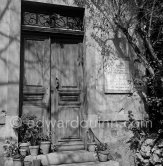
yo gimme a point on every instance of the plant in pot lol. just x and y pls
(26, 120)
(29, 131)
(45, 142)
(102, 152)
(11, 150)
(34, 140)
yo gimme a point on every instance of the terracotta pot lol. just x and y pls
(103, 157)
(23, 152)
(37, 162)
(17, 162)
(45, 146)
(8, 161)
(27, 163)
(34, 150)
(91, 147)
(25, 146)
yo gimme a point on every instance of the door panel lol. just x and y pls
(36, 62)
(36, 77)
(67, 76)
(68, 122)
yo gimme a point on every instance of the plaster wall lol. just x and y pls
(107, 107)
(9, 67)
(99, 106)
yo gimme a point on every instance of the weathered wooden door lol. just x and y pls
(53, 83)
(66, 86)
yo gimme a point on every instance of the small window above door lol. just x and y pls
(52, 16)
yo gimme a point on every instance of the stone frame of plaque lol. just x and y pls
(117, 76)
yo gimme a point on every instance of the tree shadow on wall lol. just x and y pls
(111, 41)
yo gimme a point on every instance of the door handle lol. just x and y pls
(57, 83)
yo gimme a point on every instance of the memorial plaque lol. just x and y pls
(117, 76)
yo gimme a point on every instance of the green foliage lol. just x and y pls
(11, 149)
(145, 144)
(30, 129)
(155, 99)
(44, 137)
(101, 147)
(139, 134)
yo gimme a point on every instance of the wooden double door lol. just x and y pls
(53, 80)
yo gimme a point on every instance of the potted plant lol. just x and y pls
(18, 160)
(45, 143)
(102, 153)
(29, 131)
(23, 131)
(27, 163)
(23, 152)
(7, 147)
(34, 139)
(11, 150)
(92, 147)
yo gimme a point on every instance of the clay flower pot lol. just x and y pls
(23, 152)
(8, 161)
(25, 146)
(91, 147)
(27, 163)
(102, 156)
(34, 150)
(17, 162)
(37, 162)
(45, 146)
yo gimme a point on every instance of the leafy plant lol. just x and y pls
(144, 143)
(30, 129)
(101, 147)
(138, 133)
(44, 137)
(11, 149)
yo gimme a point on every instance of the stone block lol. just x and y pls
(64, 157)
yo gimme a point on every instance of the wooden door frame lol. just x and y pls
(28, 34)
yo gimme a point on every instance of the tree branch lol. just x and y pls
(150, 21)
(135, 47)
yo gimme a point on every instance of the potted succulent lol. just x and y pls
(45, 143)
(102, 153)
(11, 150)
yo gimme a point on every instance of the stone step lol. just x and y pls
(65, 157)
(108, 163)
(69, 142)
(69, 139)
(70, 147)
